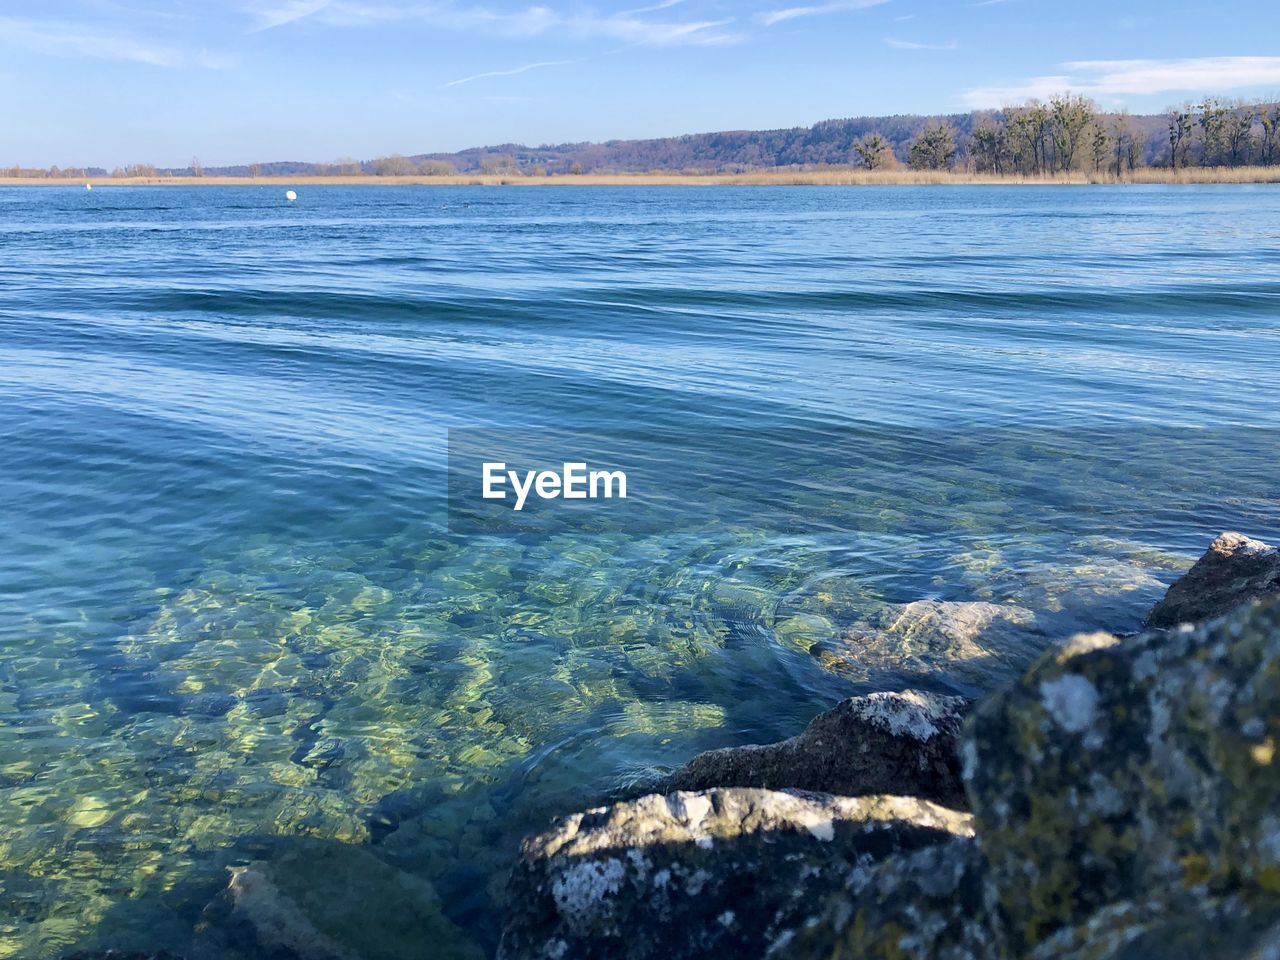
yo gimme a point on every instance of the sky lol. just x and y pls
(111, 82)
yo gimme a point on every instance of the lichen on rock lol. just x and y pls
(689, 875)
(1139, 769)
(926, 904)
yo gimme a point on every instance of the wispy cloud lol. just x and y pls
(913, 45)
(629, 26)
(653, 8)
(67, 39)
(268, 18)
(1112, 78)
(508, 73)
(771, 17)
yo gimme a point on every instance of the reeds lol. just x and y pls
(812, 176)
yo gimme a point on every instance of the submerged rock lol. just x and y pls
(885, 743)
(1138, 771)
(691, 875)
(1233, 570)
(320, 900)
(976, 642)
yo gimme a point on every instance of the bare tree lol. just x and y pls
(989, 146)
(1029, 129)
(1070, 118)
(1181, 123)
(498, 164)
(1213, 115)
(1269, 144)
(197, 168)
(255, 170)
(1237, 133)
(393, 166)
(436, 168)
(1099, 146)
(1124, 143)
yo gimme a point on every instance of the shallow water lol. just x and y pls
(231, 606)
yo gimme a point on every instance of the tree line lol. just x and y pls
(1069, 133)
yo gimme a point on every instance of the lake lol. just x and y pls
(236, 608)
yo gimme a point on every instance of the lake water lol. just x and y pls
(233, 611)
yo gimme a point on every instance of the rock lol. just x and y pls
(322, 900)
(1226, 930)
(885, 743)
(976, 643)
(693, 875)
(924, 904)
(1142, 770)
(1233, 570)
(118, 955)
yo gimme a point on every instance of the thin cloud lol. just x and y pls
(60, 38)
(290, 12)
(913, 45)
(665, 5)
(628, 26)
(771, 17)
(1111, 78)
(508, 73)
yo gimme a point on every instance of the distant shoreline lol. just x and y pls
(815, 177)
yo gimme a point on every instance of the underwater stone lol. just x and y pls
(691, 875)
(977, 642)
(1233, 570)
(321, 900)
(885, 743)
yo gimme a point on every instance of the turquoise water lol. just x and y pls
(233, 612)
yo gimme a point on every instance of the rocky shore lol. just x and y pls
(1118, 799)
(1121, 799)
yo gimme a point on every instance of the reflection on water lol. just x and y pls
(232, 613)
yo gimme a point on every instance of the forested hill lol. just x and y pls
(1068, 133)
(828, 142)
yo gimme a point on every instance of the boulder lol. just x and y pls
(1233, 570)
(1139, 771)
(728, 872)
(885, 743)
(927, 903)
(322, 900)
(975, 643)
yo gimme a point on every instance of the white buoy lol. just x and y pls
(290, 196)
(88, 186)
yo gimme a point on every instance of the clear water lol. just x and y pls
(231, 610)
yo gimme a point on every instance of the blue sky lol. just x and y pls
(109, 82)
